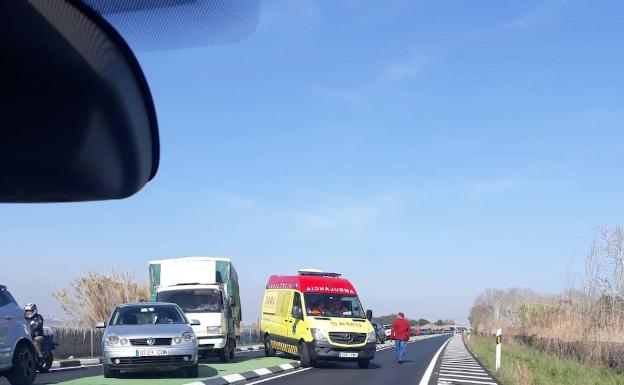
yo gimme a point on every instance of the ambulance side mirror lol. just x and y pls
(296, 312)
(369, 315)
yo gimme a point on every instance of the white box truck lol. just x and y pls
(206, 288)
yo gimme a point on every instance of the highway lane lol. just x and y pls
(67, 374)
(383, 369)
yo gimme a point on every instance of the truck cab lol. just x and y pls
(198, 287)
(209, 305)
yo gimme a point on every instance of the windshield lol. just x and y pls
(194, 301)
(331, 305)
(145, 315)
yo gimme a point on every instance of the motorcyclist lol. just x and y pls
(35, 320)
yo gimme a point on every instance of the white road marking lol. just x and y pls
(427, 375)
(469, 381)
(471, 368)
(278, 376)
(458, 366)
(233, 377)
(262, 371)
(463, 372)
(465, 376)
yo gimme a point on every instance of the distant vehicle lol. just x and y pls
(206, 288)
(414, 332)
(317, 316)
(381, 332)
(149, 336)
(18, 358)
(388, 330)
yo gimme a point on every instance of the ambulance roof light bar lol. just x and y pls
(317, 272)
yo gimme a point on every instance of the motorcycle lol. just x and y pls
(44, 361)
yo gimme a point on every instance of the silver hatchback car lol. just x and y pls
(148, 336)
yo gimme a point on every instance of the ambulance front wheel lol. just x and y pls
(304, 355)
(268, 349)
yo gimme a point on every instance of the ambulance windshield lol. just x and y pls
(333, 305)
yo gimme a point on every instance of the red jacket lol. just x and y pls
(400, 330)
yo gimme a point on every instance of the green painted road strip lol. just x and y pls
(207, 370)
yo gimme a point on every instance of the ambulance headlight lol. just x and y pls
(372, 337)
(318, 334)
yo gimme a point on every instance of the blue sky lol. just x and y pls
(427, 150)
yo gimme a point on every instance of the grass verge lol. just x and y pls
(523, 365)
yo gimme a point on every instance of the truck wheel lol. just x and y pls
(363, 364)
(232, 349)
(24, 369)
(110, 373)
(192, 371)
(268, 349)
(224, 354)
(304, 355)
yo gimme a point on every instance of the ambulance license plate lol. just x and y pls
(347, 355)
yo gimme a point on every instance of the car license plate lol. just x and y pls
(152, 352)
(347, 355)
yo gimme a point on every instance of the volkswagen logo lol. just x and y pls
(151, 341)
(349, 338)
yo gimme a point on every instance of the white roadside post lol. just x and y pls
(498, 349)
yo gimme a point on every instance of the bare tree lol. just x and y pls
(92, 297)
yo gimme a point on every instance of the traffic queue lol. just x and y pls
(195, 311)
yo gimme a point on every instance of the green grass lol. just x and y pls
(207, 370)
(523, 365)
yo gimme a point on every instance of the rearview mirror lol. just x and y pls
(100, 325)
(77, 120)
(369, 315)
(195, 322)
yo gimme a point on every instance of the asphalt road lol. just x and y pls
(57, 376)
(383, 369)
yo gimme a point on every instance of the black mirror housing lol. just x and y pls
(296, 312)
(369, 315)
(77, 120)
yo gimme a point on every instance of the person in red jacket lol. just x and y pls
(400, 333)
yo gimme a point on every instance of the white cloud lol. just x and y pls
(543, 12)
(238, 202)
(346, 214)
(399, 71)
(295, 16)
(484, 187)
(386, 76)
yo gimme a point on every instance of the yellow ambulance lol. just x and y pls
(317, 316)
